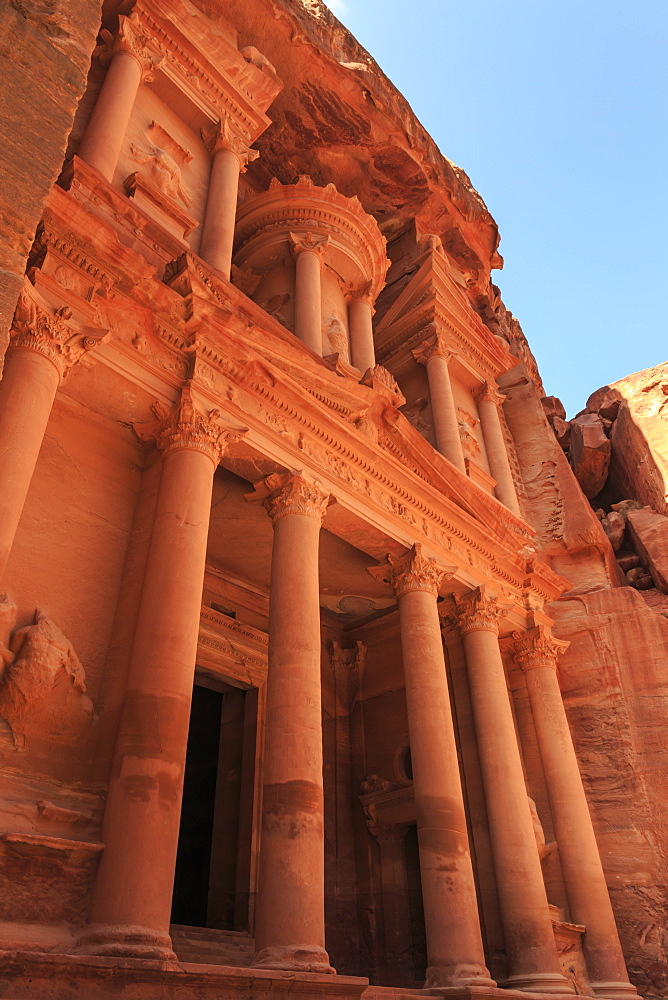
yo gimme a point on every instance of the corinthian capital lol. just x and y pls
(36, 328)
(189, 427)
(295, 495)
(487, 392)
(414, 571)
(433, 346)
(537, 648)
(478, 611)
(301, 242)
(130, 38)
(224, 136)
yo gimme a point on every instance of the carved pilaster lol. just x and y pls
(295, 495)
(537, 648)
(223, 136)
(50, 334)
(188, 426)
(414, 571)
(478, 610)
(131, 39)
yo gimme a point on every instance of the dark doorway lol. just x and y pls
(205, 880)
(415, 906)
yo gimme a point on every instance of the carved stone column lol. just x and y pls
(309, 251)
(454, 943)
(129, 61)
(290, 913)
(489, 400)
(536, 653)
(530, 947)
(360, 326)
(132, 899)
(231, 154)
(43, 349)
(434, 355)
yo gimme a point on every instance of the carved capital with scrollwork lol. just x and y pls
(479, 611)
(224, 136)
(309, 243)
(487, 392)
(36, 328)
(359, 293)
(537, 648)
(414, 571)
(295, 495)
(132, 40)
(187, 426)
(433, 346)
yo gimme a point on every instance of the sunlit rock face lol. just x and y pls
(326, 641)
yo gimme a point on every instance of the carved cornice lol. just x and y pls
(49, 334)
(414, 571)
(479, 611)
(295, 495)
(223, 136)
(188, 427)
(487, 392)
(537, 648)
(131, 39)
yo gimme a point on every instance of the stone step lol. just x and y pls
(211, 946)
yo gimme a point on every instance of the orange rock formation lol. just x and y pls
(333, 656)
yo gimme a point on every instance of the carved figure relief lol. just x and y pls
(467, 423)
(42, 675)
(163, 168)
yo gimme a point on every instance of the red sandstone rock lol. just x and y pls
(649, 532)
(553, 408)
(628, 562)
(614, 526)
(605, 402)
(562, 431)
(589, 453)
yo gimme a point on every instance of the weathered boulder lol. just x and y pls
(589, 453)
(614, 526)
(605, 401)
(553, 407)
(628, 562)
(639, 462)
(649, 532)
(562, 431)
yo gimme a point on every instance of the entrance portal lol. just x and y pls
(206, 878)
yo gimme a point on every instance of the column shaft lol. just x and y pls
(360, 324)
(221, 210)
(133, 894)
(103, 138)
(586, 888)
(290, 915)
(308, 300)
(497, 454)
(530, 946)
(448, 439)
(454, 943)
(27, 391)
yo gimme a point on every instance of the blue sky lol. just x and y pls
(557, 112)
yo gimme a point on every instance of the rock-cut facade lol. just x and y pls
(332, 656)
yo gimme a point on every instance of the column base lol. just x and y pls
(615, 991)
(540, 982)
(447, 976)
(126, 941)
(295, 958)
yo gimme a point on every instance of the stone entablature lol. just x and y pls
(301, 412)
